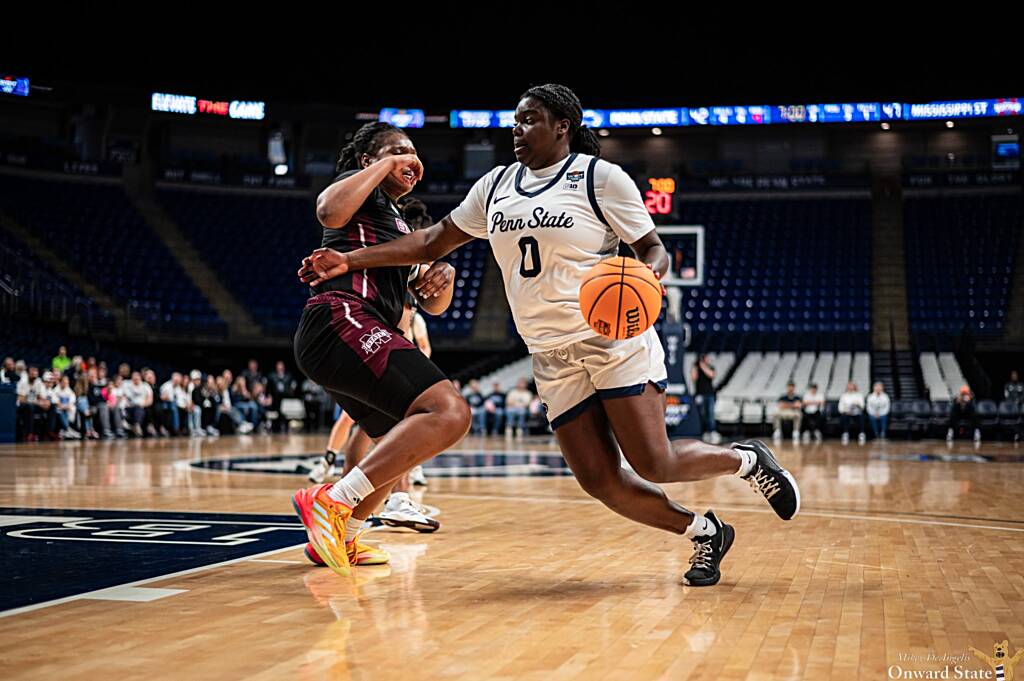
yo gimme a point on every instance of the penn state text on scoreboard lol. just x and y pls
(190, 105)
(857, 112)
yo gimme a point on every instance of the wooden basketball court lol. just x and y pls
(897, 562)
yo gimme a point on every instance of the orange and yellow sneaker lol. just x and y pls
(324, 520)
(358, 554)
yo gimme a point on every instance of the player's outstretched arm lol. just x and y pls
(651, 251)
(423, 245)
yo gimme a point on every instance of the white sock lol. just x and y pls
(700, 527)
(352, 488)
(747, 461)
(352, 528)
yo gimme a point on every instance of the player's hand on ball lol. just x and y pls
(657, 275)
(434, 280)
(321, 265)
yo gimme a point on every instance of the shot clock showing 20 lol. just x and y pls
(658, 198)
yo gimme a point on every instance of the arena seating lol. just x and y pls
(255, 243)
(96, 228)
(795, 266)
(942, 375)
(960, 250)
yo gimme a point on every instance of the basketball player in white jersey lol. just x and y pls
(549, 218)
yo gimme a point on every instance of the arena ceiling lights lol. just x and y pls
(191, 106)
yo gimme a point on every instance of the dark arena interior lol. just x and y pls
(840, 249)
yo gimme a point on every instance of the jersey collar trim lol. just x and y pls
(551, 183)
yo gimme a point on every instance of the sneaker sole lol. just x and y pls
(412, 525)
(730, 536)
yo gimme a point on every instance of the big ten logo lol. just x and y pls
(658, 198)
(153, 531)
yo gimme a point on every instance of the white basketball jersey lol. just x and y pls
(548, 227)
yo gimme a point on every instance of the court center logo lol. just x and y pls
(371, 342)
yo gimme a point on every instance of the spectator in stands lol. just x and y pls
(877, 406)
(703, 376)
(961, 409)
(182, 399)
(517, 407)
(76, 368)
(169, 404)
(135, 403)
(226, 416)
(210, 405)
(1014, 390)
(113, 393)
(789, 409)
(7, 372)
(29, 391)
(241, 402)
(20, 370)
(814, 408)
(195, 404)
(65, 403)
(97, 403)
(253, 376)
(851, 413)
(82, 408)
(46, 404)
(494, 404)
(124, 370)
(61, 362)
(475, 399)
(263, 404)
(280, 386)
(313, 399)
(152, 417)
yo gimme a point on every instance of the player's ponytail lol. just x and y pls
(367, 140)
(585, 142)
(563, 103)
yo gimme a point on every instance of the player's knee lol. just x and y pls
(599, 485)
(454, 413)
(651, 469)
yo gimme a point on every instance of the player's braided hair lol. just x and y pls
(563, 103)
(415, 213)
(367, 140)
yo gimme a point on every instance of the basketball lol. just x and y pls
(620, 297)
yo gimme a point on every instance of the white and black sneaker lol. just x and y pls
(401, 511)
(323, 469)
(708, 553)
(771, 480)
(417, 477)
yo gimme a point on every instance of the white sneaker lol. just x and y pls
(212, 432)
(846, 438)
(400, 511)
(807, 436)
(817, 436)
(417, 477)
(245, 428)
(796, 437)
(777, 436)
(716, 437)
(862, 438)
(949, 435)
(321, 471)
(977, 435)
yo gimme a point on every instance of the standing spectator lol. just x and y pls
(281, 386)
(64, 400)
(7, 372)
(61, 361)
(210, 406)
(877, 406)
(1014, 390)
(181, 402)
(476, 406)
(517, 406)
(789, 410)
(135, 403)
(152, 417)
(169, 404)
(960, 410)
(494, 404)
(813, 407)
(851, 412)
(29, 391)
(253, 376)
(703, 375)
(113, 393)
(83, 409)
(195, 404)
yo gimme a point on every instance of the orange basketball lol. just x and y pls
(620, 297)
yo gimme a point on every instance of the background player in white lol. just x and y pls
(549, 218)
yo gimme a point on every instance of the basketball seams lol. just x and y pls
(648, 282)
(618, 311)
(643, 305)
(612, 273)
